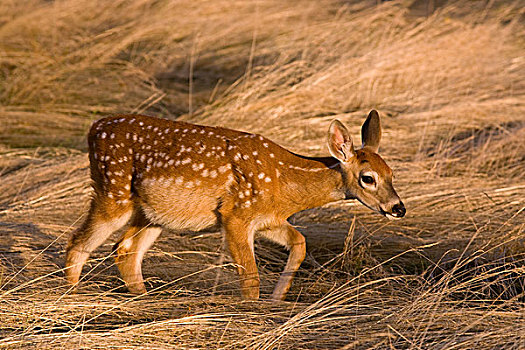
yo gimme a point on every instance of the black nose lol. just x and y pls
(399, 210)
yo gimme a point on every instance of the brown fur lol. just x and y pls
(159, 173)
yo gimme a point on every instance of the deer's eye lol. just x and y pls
(369, 180)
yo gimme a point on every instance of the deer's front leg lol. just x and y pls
(295, 242)
(240, 243)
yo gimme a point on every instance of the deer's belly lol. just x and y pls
(178, 206)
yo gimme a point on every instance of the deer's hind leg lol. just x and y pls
(131, 248)
(104, 218)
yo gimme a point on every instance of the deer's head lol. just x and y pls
(366, 176)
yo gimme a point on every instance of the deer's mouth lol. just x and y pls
(377, 209)
(390, 216)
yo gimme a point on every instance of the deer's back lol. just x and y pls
(182, 175)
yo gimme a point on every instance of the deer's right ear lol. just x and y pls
(340, 142)
(371, 131)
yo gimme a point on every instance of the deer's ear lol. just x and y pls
(340, 142)
(371, 131)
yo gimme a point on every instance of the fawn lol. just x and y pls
(156, 173)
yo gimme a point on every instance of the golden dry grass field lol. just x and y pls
(448, 80)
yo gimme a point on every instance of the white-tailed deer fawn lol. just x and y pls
(159, 173)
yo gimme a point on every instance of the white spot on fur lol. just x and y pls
(261, 175)
(224, 168)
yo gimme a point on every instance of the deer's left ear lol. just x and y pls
(340, 142)
(371, 131)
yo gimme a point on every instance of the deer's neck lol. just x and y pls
(309, 182)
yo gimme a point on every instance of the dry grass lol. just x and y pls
(449, 84)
